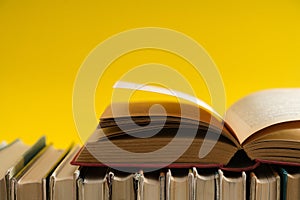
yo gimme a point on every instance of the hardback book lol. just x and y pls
(205, 184)
(15, 151)
(263, 127)
(31, 183)
(123, 185)
(264, 184)
(151, 185)
(93, 183)
(13, 157)
(290, 182)
(179, 184)
(62, 182)
(232, 185)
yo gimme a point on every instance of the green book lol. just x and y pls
(290, 182)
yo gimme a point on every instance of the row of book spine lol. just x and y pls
(190, 184)
(43, 172)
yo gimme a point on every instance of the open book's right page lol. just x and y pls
(262, 109)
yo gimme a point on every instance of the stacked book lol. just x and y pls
(36, 172)
(252, 153)
(43, 172)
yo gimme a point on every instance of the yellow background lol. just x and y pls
(255, 44)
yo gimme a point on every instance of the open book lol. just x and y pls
(263, 127)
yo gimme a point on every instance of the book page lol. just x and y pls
(161, 90)
(207, 113)
(263, 109)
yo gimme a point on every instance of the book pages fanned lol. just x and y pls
(264, 127)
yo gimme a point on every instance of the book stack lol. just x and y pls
(254, 153)
(43, 172)
(36, 172)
